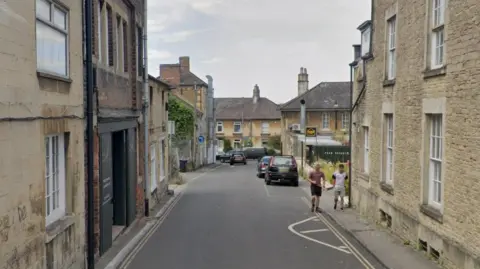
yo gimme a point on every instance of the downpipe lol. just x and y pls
(145, 99)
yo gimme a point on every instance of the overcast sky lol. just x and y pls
(241, 43)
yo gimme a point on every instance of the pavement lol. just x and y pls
(225, 217)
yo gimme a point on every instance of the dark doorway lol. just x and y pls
(119, 156)
(106, 192)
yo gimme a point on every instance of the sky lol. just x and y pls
(241, 43)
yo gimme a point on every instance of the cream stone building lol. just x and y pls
(42, 221)
(415, 130)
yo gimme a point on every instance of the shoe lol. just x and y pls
(341, 208)
(335, 206)
(313, 207)
(319, 210)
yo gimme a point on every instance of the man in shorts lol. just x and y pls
(339, 178)
(317, 181)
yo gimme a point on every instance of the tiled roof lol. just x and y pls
(322, 96)
(232, 108)
(188, 78)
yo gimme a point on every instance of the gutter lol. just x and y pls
(145, 98)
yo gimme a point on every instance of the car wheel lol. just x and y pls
(258, 175)
(245, 163)
(268, 182)
(295, 183)
(222, 160)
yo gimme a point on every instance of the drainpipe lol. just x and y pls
(90, 139)
(350, 141)
(145, 111)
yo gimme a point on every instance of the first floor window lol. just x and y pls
(391, 57)
(389, 148)
(325, 121)
(265, 127)
(237, 127)
(55, 177)
(52, 38)
(435, 160)
(219, 127)
(153, 168)
(345, 120)
(366, 150)
(438, 43)
(237, 143)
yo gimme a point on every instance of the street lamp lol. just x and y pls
(302, 125)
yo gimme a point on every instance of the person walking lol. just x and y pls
(317, 183)
(339, 178)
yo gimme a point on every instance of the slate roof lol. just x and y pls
(188, 78)
(322, 96)
(231, 109)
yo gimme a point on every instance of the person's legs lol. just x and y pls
(318, 194)
(336, 193)
(312, 192)
(342, 195)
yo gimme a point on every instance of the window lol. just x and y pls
(54, 177)
(118, 34)
(391, 57)
(52, 38)
(435, 160)
(265, 127)
(125, 44)
(438, 33)
(106, 35)
(345, 121)
(153, 169)
(99, 29)
(237, 127)
(110, 35)
(366, 42)
(139, 51)
(237, 144)
(366, 149)
(219, 127)
(162, 160)
(389, 149)
(264, 143)
(325, 121)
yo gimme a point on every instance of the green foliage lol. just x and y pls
(271, 152)
(275, 141)
(227, 145)
(247, 143)
(183, 116)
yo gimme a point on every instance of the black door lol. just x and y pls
(106, 192)
(119, 177)
(132, 175)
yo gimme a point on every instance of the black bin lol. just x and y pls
(183, 165)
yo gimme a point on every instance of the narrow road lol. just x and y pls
(229, 219)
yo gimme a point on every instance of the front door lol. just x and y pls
(106, 192)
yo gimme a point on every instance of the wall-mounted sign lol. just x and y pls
(311, 132)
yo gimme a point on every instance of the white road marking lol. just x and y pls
(344, 247)
(290, 227)
(314, 231)
(266, 190)
(347, 243)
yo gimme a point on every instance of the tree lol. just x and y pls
(183, 116)
(275, 142)
(227, 145)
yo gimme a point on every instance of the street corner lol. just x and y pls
(313, 229)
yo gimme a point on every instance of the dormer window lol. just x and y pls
(366, 41)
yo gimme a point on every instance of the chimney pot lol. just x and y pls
(256, 94)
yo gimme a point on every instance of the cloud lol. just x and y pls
(213, 60)
(176, 36)
(158, 54)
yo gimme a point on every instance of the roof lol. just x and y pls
(188, 78)
(161, 81)
(232, 108)
(322, 96)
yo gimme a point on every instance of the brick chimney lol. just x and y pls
(184, 63)
(170, 73)
(302, 81)
(256, 94)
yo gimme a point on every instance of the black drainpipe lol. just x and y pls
(90, 139)
(350, 140)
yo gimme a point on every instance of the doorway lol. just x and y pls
(119, 156)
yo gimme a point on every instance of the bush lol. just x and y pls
(271, 152)
(227, 145)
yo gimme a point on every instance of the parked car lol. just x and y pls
(282, 169)
(262, 166)
(255, 153)
(238, 157)
(225, 157)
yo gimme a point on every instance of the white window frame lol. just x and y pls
(435, 186)
(153, 169)
(265, 128)
(162, 160)
(366, 41)
(237, 141)
(99, 29)
(55, 178)
(51, 24)
(345, 120)
(389, 132)
(237, 123)
(325, 121)
(437, 33)
(392, 45)
(366, 150)
(219, 124)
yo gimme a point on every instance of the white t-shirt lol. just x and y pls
(340, 179)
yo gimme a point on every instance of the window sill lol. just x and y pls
(57, 227)
(386, 188)
(437, 72)
(367, 56)
(237, 133)
(431, 212)
(388, 82)
(54, 77)
(267, 133)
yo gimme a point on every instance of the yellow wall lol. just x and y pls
(314, 119)
(188, 94)
(250, 128)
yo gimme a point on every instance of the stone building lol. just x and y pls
(118, 66)
(41, 135)
(414, 125)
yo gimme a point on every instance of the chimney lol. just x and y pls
(357, 52)
(184, 63)
(302, 81)
(256, 94)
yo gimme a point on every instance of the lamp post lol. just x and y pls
(302, 125)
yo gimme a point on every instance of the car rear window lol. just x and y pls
(266, 159)
(281, 160)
